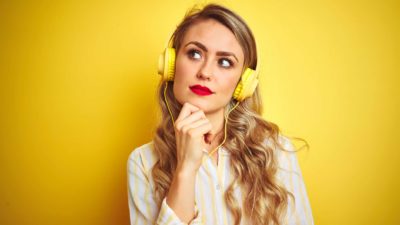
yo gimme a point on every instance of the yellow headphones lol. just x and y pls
(245, 88)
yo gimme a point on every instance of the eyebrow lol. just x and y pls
(219, 53)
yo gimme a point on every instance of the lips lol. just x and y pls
(200, 90)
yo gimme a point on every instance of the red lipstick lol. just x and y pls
(200, 90)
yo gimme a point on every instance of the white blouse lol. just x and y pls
(211, 184)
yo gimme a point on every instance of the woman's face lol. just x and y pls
(211, 57)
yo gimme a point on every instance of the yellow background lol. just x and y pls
(77, 95)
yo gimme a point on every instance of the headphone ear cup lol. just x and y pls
(246, 86)
(166, 64)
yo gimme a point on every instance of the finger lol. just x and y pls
(194, 125)
(190, 119)
(200, 130)
(186, 110)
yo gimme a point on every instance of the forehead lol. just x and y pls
(214, 35)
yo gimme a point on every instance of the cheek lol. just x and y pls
(228, 86)
(181, 70)
(180, 80)
(231, 84)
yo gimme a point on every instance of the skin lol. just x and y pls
(200, 123)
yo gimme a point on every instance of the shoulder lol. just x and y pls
(143, 156)
(284, 141)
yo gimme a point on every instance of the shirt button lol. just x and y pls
(218, 187)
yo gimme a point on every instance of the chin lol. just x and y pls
(200, 105)
(207, 108)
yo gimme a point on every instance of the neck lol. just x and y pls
(217, 120)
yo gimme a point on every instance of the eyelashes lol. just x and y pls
(225, 62)
(195, 54)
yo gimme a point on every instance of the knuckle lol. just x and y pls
(191, 133)
(201, 114)
(179, 126)
(185, 129)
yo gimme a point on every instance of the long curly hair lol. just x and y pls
(253, 162)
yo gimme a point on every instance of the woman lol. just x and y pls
(214, 159)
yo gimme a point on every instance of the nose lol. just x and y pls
(206, 71)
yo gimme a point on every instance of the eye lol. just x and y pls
(194, 54)
(226, 63)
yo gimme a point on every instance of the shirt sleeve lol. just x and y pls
(143, 208)
(167, 215)
(299, 209)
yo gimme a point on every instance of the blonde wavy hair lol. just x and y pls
(253, 162)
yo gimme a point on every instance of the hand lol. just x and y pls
(191, 129)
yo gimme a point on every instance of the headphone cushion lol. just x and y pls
(166, 64)
(247, 85)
